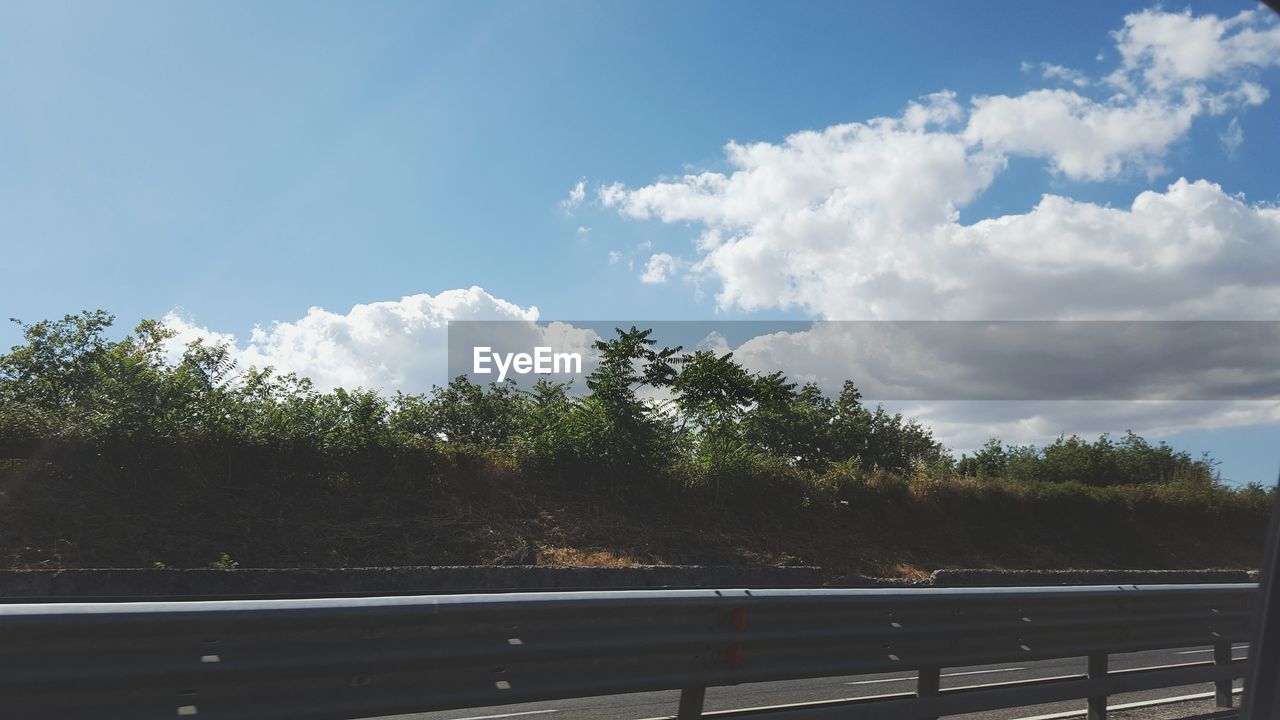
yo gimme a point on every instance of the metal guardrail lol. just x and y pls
(361, 657)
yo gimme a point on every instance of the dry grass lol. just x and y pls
(579, 557)
(486, 513)
(907, 570)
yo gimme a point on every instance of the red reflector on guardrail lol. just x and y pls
(733, 656)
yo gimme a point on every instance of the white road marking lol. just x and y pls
(915, 677)
(508, 715)
(882, 680)
(1130, 706)
(787, 706)
(1053, 716)
(1209, 650)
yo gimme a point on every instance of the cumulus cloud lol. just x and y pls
(577, 194)
(1027, 361)
(391, 345)
(1049, 71)
(860, 220)
(659, 269)
(1175, 68)
(1081, 138)
(847, 194)
(1191, 251)
(1028, 385)
(1164, 50)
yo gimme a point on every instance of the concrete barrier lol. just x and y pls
(260, 582)
(1029, 578)
(107, 584)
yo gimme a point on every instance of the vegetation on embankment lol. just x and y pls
(120, 458)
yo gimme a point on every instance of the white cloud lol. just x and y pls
(952, 361)
(1082, 139)
(1165, 50)
(1026, 362)
(577, 194)
(1192, 251)
(1175, 67)
(714, 342)
(798, 225)
(965, 426)
(1232, 138)
(659, 269)
(1050, 71)
(391, 345)
(849, 194)
(860, 220)
(583, 230)
(933, 110)
(185, 332)
(610, 194)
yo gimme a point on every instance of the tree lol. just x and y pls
(712, 391)
(790, 421)
(991, 461)
(59, 363)
(625, 430)
(474, 415)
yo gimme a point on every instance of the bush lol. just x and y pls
(108, 408)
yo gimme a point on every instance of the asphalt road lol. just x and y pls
(654, 705)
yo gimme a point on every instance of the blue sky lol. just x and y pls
(247, 161)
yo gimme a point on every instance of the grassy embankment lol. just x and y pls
(443, 508)
(113, 456)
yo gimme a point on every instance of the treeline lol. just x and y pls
(118, 456)
(647, 410)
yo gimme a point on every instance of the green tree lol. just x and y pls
(712, 392)
(468, 414)
(991, 461)
(790, 421)
(626, 431)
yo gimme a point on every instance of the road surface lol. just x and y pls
(655, 705)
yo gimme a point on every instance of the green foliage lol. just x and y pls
(989, 462)
(469, 414)
(620, 429)
(1130, 461)
(61, 364)
(791, 422)
(553, 434)
(712, 392)
(724, 429)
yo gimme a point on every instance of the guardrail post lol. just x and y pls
(1222, 688)
(1098, 703)
(691, 700)
(928, 683)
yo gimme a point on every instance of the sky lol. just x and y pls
(324, 185)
